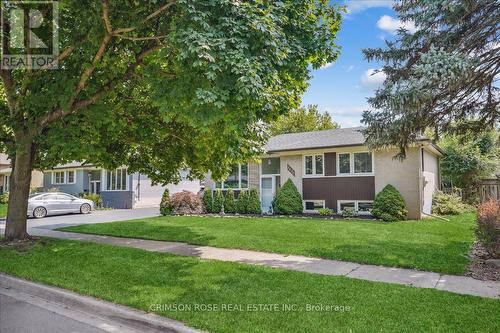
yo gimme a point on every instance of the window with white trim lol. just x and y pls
(355, 163)
(59, 177)
(70, 177)
(361, 207)
(313, 165)
(6, 183)
(116, 180)
(237, 179)
(313, 205)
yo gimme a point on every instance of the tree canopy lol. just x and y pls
(468, 159)
(444, 75)
(160, 85)
(303, 119)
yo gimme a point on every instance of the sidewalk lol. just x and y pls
(32, 307)
(420, 279)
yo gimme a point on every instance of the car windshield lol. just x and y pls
(34, 195)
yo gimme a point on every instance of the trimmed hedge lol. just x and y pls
(253, 206)
(208, 201)
(389, 205)
(165, 205)
(242, 202)
(230, 202)
(288, 199)
(218, 202)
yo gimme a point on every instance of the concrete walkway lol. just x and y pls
(420, 279)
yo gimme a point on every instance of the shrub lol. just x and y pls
(288, 199)
(4, 198)
(389, 205)
(165, 204)
(96, 198)
(208, 201)
(349, 212)
(488, 226)
(242, 202)
(186, 202)
(448, 204)
(218, 202)
(253, 206)
(325, 211)
(230, 202)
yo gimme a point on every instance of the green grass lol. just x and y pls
(3, 210)
(431, 245)
(142, 279)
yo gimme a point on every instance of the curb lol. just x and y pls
(136, 319)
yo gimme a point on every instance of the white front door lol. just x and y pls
(267, 193)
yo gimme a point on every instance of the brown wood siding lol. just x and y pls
(330, 164)
(338, 188)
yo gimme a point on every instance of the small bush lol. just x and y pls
(230, 202)
(253, 206)
(389, 205)
(242, 202)
(288, 199)
(218, 202)
(488, 226)
(325, 211)
(165, 204)
(186, 202)
(349, 212)
(208, 201)
(448, 204)
(96, 198)
(4, 198)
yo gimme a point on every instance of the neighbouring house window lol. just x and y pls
(71, 177)
(344, 163)
(116, 180)
(363, 162)
(271, 166)
(59, 177)
(313, 205)
(238, 178)
(361, 207)
(313, 165)
(6, 183)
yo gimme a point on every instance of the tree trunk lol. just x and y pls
(20, 180)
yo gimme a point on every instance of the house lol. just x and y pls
(117, 188)
(5, 171)
(335, 169)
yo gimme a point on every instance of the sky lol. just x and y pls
(342, 88)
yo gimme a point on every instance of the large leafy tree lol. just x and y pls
(158, 85)
(303, 119)
(468, 159)
(442, 76)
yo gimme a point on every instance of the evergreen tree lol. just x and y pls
(441, 73)
(218, 201)
(208, 201)
(288, 199)
(230, 202)
(165, 206)
(253, 206)
(242, 202)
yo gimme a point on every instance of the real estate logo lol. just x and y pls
(29, 34)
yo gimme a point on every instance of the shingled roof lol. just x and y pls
(317, 139)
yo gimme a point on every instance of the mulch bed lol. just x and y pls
(482, 266)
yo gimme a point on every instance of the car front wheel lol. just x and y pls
(39, 212)
(85, 209)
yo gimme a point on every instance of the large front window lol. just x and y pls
(238, 178)
(313, 165)
(355, 163)
(59, 177)
(116, 180)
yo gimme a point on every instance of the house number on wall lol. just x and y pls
(290, 169)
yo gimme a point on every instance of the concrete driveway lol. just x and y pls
(99, 216)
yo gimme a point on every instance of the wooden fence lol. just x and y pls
(489, 189)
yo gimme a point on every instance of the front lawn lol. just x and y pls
(3, 210)
(245, 298)
(432, 245)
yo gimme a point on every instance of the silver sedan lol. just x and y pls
(53, 203)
